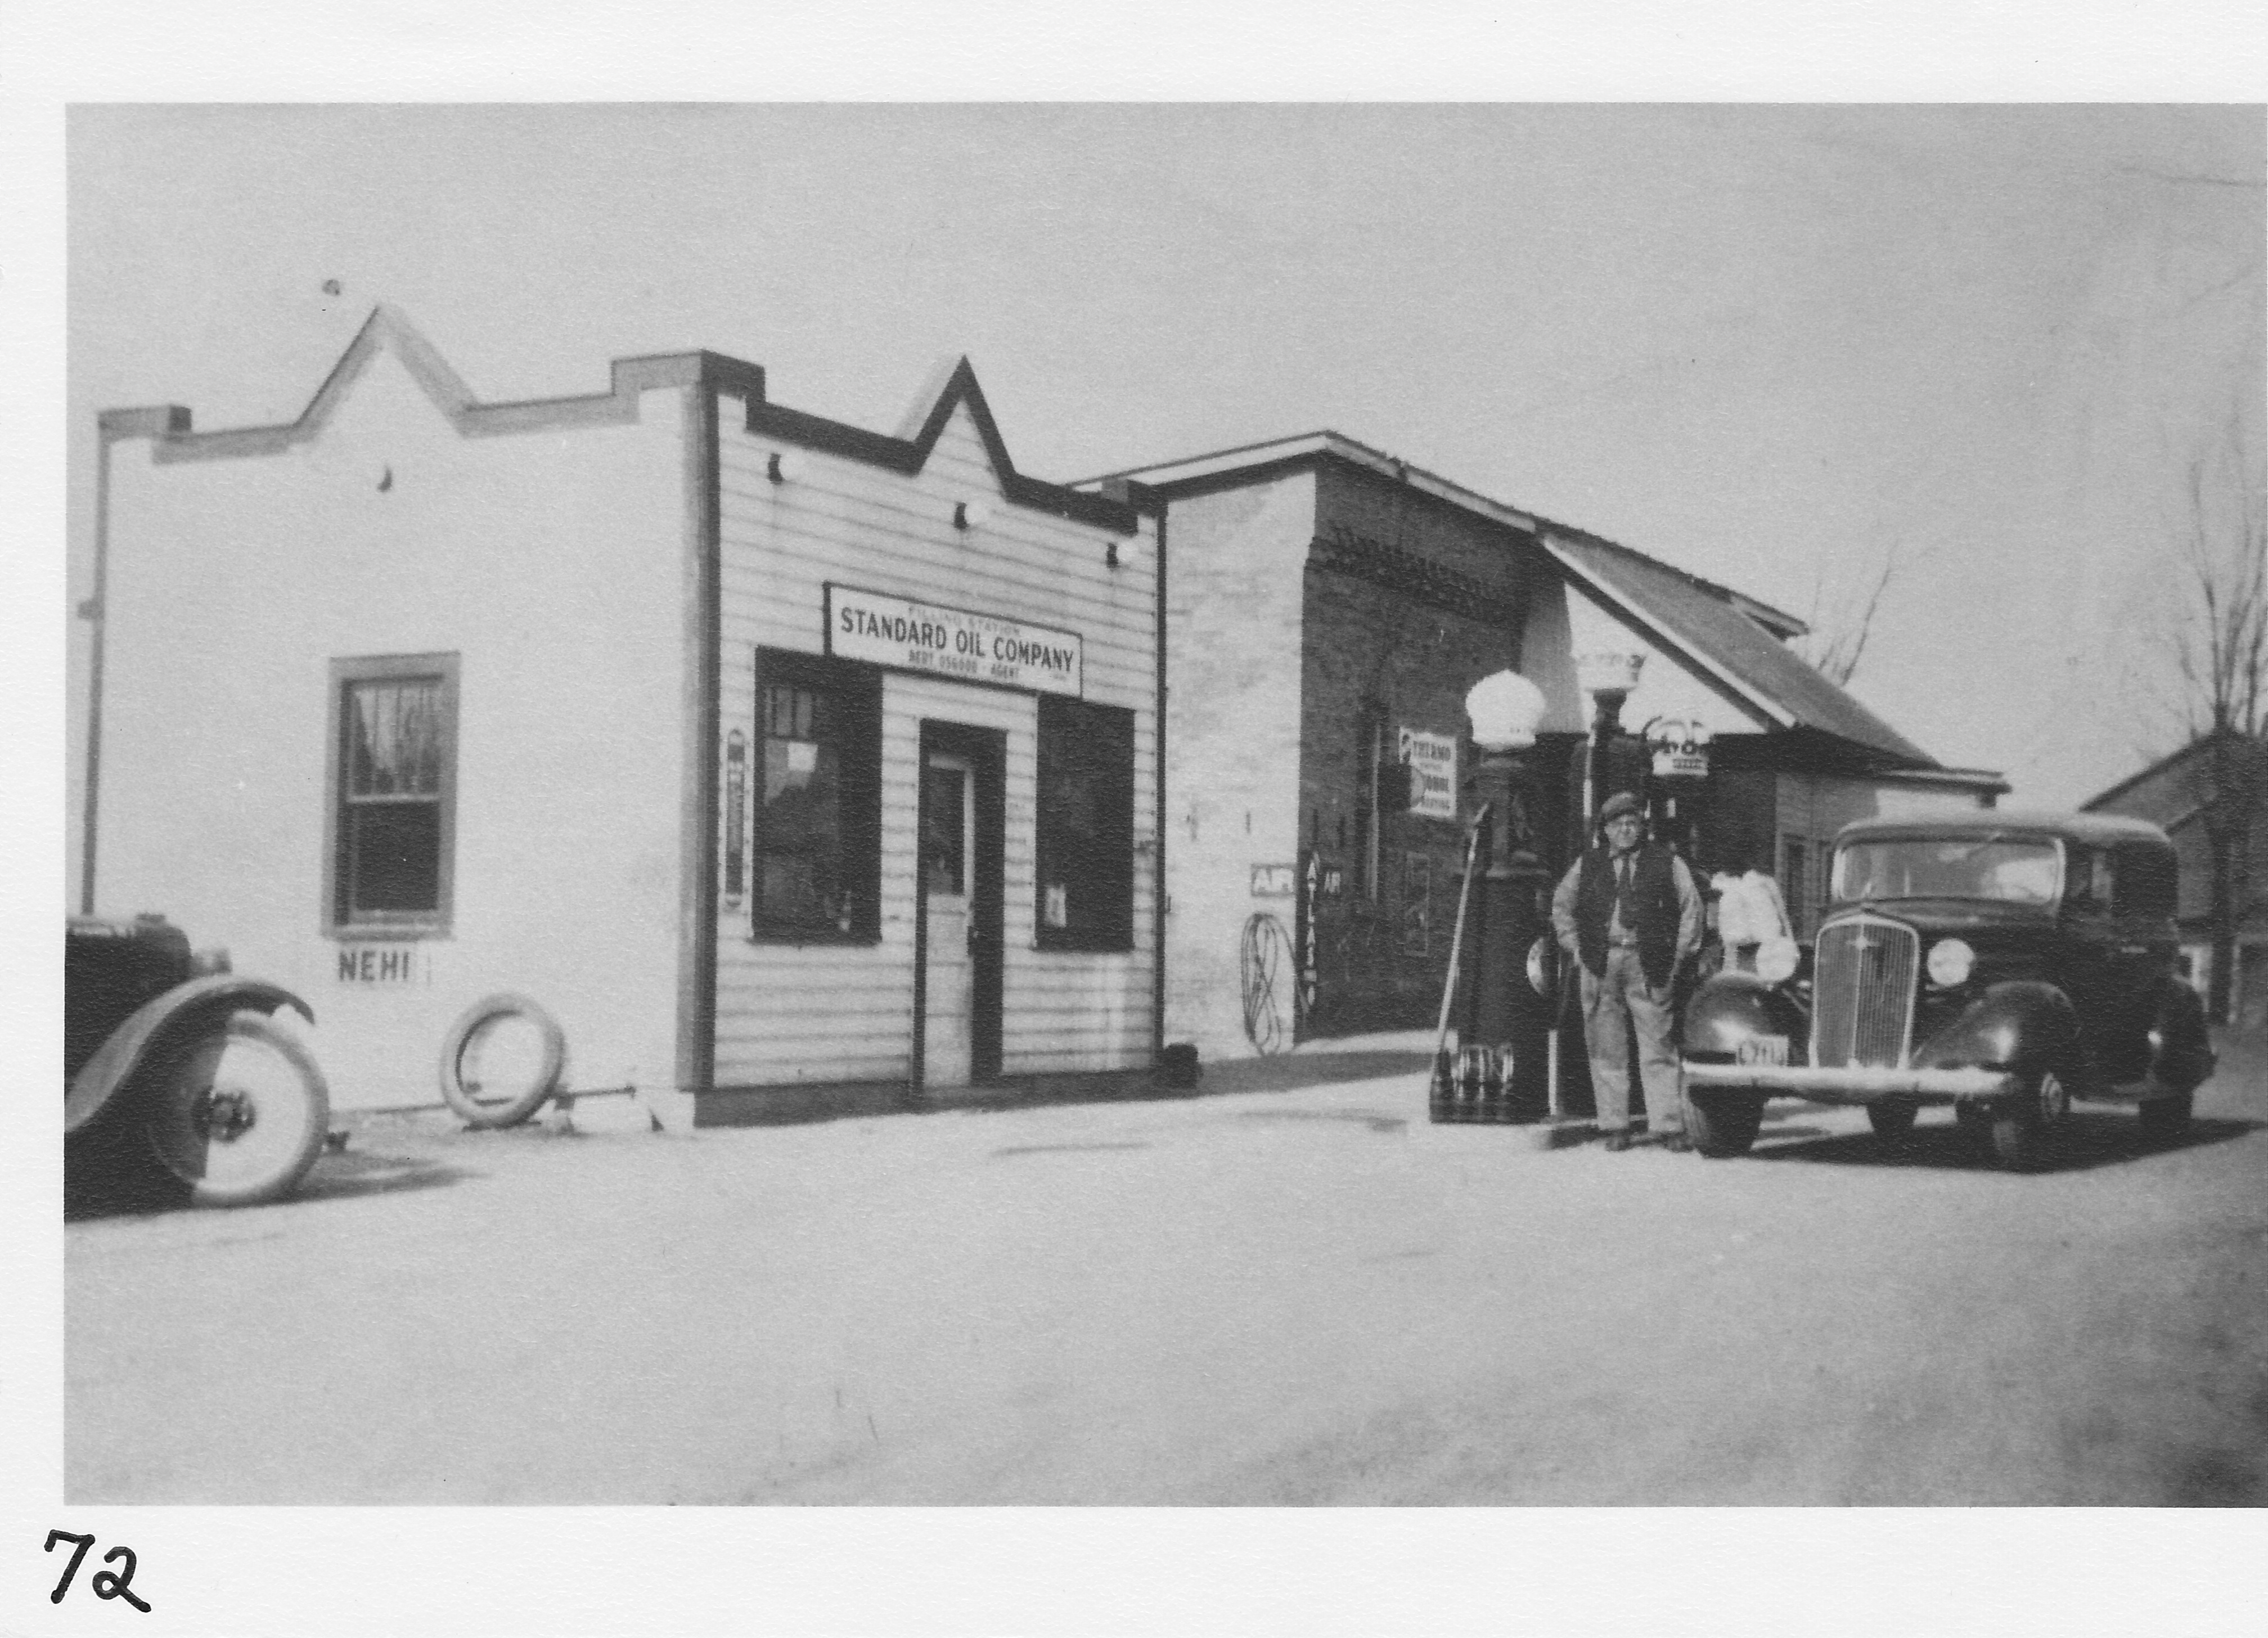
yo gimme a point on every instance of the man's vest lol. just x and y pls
(1651, 911)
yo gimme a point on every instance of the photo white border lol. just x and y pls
(559, 1571)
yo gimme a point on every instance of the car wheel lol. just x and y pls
(238, 1113)
(2028, 1126)
(1892, 1118)
(501, 1058)
(1723, 1123)
(2166, 1118)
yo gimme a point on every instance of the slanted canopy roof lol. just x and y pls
(1690, 617)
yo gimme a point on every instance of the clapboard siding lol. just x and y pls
(788, 1014)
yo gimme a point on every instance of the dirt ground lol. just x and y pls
(1296, 1295)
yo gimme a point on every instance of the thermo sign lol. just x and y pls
(1432, 759)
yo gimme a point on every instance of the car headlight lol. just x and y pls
(1777, 960)
(1950, 961)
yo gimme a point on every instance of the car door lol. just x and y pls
(2146, 947)
(2089, 967)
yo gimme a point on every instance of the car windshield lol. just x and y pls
(1967, 866)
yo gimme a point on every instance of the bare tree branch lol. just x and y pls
(1837, 640)
(2214, 644)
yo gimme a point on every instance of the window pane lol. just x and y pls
(802, 800)
(944, 807)
(393, 738)
(804, 804)
(2021, 872)
(393, 857)
(798, 889)
(1085, 821)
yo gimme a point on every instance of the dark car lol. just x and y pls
(2005, 964)
(178, 1084)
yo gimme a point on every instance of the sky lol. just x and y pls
(1781, 347)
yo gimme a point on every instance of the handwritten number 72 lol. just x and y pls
(107, 1584)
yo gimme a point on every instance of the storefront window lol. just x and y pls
(393, 790)
(1085, 843)
(815, 853)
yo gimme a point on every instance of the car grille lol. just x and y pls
(1862, 992)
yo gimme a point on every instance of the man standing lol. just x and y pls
(1629, 914)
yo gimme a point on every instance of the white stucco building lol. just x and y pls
(778, 760)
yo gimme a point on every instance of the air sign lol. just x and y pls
(958, 643)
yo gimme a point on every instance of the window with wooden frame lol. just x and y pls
(1085, 826)
(389, 856)
(815, 840)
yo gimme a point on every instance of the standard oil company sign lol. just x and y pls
(951, 641)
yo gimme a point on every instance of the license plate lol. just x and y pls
(1771, 1050)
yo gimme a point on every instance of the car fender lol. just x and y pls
(2016, 1024)
(2181, 1048)
(1734, 1007)
(185, 1007)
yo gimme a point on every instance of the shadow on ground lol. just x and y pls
(122, 1187)
(1295, 1071)
(2093, 1139)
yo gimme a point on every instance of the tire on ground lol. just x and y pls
(1892, 1118)
(461, 1085)
(2028, 1125)
(1723, 1123)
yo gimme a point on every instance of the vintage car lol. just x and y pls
(2003, 964)
(178, 1084)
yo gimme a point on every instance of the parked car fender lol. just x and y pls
(2181, 1048)
(2020, 1023)
(201, 1003)
(1736, 1007)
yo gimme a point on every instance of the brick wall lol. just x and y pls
(1377, 658)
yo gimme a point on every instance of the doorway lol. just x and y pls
(958, 905)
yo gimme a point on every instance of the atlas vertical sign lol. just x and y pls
(958, 643)
(1433, 761)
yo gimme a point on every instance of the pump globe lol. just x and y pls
(1504, 709)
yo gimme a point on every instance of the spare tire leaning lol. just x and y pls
(501, 1059)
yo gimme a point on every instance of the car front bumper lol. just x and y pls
(1853, 1084)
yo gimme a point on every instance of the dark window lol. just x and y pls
(2086, 879)
(1085, 826)
(815, 848)
(944, 845)
(392, 795)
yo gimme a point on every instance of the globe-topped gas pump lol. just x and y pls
(1504, 921)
